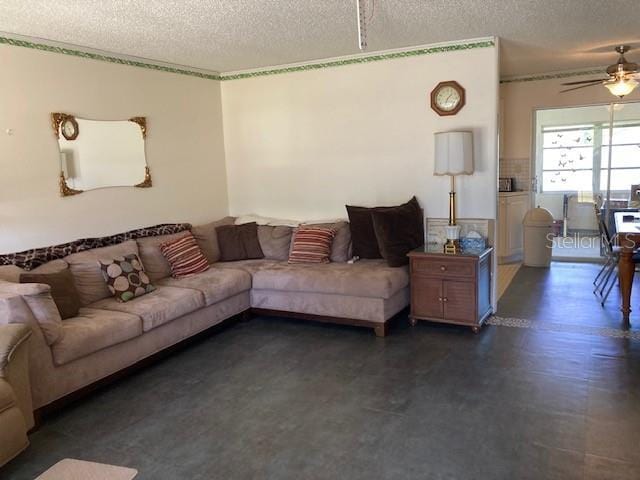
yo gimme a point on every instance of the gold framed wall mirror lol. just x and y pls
(100, 153)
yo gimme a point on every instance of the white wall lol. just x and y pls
(302, 145)
(184, 147)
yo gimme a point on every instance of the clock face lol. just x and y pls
(447, 98)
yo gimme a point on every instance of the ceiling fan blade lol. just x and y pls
(586, 81)
(579, 87)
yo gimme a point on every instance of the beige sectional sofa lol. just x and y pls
(16, 411)
(108, 336)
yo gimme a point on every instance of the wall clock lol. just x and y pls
(69, 128)
(447, 98)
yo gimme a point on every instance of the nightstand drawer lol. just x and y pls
(443, 267)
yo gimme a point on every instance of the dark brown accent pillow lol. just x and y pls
(363, 235)
(63, 290)
(398, 230)
(249, 236)
(239, 242)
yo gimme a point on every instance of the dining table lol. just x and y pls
(628, 239)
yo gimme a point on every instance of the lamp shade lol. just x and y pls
(453, 153)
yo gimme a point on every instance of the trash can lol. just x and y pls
(538, 237)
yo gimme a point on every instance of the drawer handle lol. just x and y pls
(443, 268)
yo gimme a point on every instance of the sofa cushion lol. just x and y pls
(155, 264)
(366, 278)
(63, 290)
(249, 266)
(93, 330)
(158, 307)
(11, 273)
(184, 256)
(87, 274)
(216, 284)
(125, 277)
(207, 238)
(275, 242)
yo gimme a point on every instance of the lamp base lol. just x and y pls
(452, 247)
(453, 234)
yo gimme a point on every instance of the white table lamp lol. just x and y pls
(453, 156)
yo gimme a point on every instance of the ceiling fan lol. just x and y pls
(623, 76)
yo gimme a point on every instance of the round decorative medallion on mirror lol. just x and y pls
(447, 98)
(69, 128)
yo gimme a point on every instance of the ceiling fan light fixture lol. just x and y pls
(621, 86)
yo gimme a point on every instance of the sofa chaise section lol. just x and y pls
(366, 293)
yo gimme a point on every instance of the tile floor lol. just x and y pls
(280, 399)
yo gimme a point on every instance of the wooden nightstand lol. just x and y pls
(450, 288)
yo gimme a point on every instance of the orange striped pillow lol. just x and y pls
(312, 245)
(184, 256)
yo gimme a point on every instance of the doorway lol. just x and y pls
(586, 162)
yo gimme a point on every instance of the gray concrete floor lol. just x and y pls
(280, 399)
(564, 294)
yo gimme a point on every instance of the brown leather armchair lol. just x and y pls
(16, 409)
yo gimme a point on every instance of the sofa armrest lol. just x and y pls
(31, 303)
(11, 338)
(14, 366)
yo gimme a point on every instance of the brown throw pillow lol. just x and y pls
(239, 242)
(398, 230)
(63, 290)
(363, 234)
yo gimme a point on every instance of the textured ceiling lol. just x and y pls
(227, 35)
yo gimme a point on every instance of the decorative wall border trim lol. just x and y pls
(366, 58)
(554, 75)
(314, 65)
(53, 47)
(105, 58)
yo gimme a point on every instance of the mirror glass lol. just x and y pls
(98, 154)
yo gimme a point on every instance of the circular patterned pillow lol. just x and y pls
(125, 277)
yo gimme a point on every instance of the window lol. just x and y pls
(568, 158)
(625, 157)
(576, 157)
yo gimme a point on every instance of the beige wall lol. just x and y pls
(301, 145)
(184, 147)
